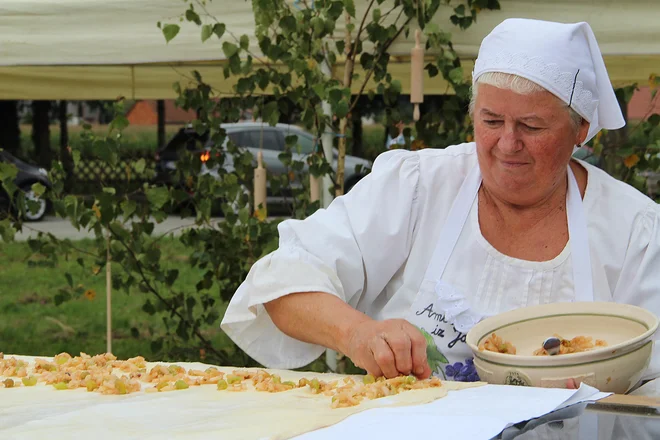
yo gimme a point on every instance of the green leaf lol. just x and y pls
(182, 330)
(245, 42)
(654, 119)
(244, 215)
(456, 75)
(204, 209)
(139, 166)
(229, 49)
(341, 110)
(135, 333)
(120, 122)
(190, 303)
(212, 317)
(171, 276)
(350, 7)
(318, 26)
(320, 90)
(291, 141)
(219, 29)
(59, 299)
(170, 31)
(432, 70)
(75, 154)
(69, 279)
(288, 24)
(8, 171)
(158, 196)
(207, 31)
(271, 113)
(149, 308)
(128, 207)
(375, 15)
(192, 16)
(334, 96)
(39, 189)
(159, 216)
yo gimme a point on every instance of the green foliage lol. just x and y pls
(632, 154)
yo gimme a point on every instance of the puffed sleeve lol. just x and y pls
(639, 280)
(351, 250)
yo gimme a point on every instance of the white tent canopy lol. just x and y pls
(100, 49)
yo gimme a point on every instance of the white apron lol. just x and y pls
(442, 313)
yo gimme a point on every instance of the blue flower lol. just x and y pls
(460, 372)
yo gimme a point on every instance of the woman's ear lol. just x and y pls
(582, 132)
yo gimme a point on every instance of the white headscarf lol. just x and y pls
(562, 58)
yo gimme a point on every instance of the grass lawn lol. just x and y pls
(32, 324)
(142, 138)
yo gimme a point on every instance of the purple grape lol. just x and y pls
(449, 370)
(458, 366)
(469, 361)
(460, 378)
(466, 370)
(474, 377)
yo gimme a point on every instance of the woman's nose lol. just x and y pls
(510, 141)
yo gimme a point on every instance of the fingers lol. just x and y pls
(368, 363)
(382, 354)
(390, 348)
(420, 365)
(400, 345)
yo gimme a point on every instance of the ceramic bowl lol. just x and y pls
(628, 331)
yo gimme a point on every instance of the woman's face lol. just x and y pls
(524, 143)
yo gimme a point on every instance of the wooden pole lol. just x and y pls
(108, 297)
(314, 188)
(260, 185)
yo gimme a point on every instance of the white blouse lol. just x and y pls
(372, 246)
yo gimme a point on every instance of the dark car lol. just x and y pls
(249, 135)
(27, 175)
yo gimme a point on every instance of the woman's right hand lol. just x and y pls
(388, 348)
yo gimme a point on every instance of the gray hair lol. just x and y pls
(516, 84)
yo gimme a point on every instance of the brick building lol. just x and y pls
(642, 105)
(146, 113)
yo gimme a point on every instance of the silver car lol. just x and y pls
(250, 135)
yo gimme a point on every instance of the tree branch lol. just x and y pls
(373, 68)
(171, 308)
(359, 32)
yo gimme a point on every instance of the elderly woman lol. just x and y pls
(440, 238)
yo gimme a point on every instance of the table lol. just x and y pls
(618, 417)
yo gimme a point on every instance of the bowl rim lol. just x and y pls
(610, 309)
(576, 364)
